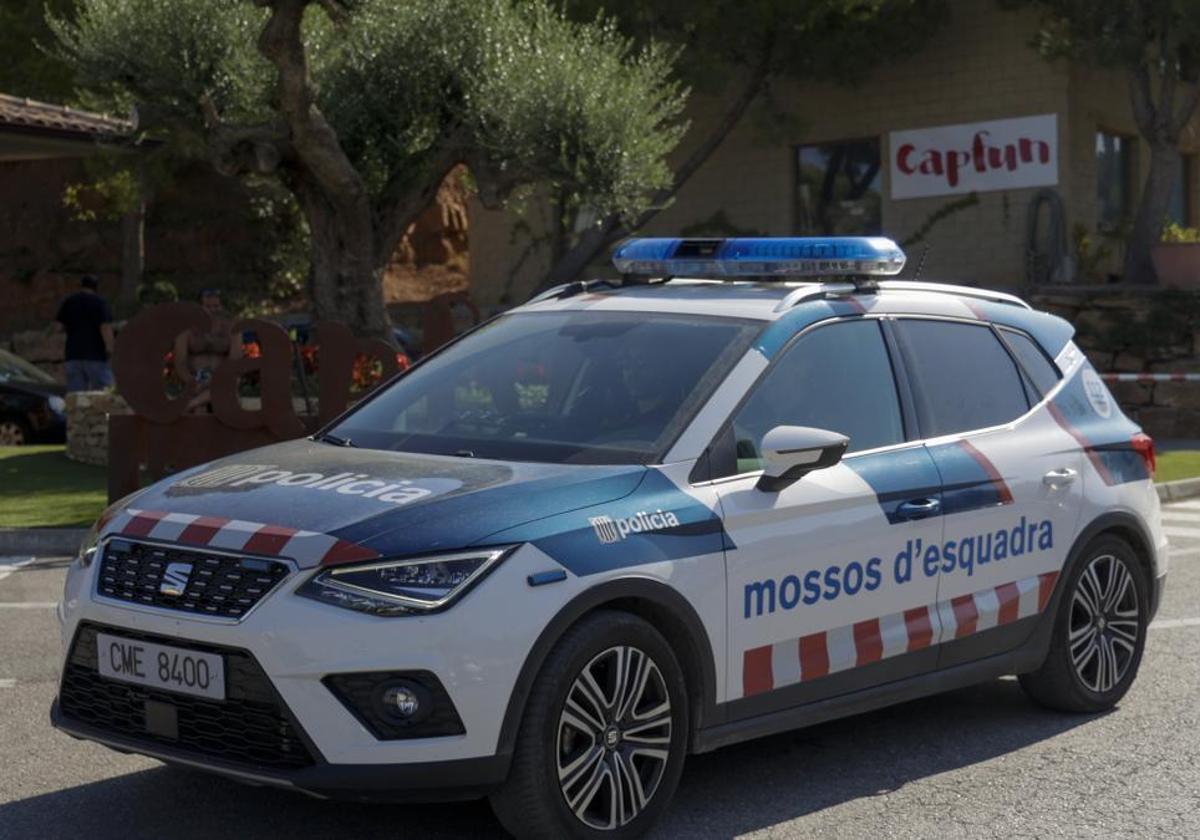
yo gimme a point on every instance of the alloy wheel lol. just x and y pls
(11, 433)
(614, 738)
(1104, 625)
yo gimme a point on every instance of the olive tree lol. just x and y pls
(736, 51)
(361, 107)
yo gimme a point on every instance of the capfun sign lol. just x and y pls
(975, 157)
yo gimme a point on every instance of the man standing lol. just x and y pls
(87, 320)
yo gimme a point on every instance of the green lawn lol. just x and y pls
(40, 488)
(1173, 466)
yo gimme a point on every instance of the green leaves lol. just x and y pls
(514, 89)
(524, 94)
(168, 54)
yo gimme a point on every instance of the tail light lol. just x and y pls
(1143, 445)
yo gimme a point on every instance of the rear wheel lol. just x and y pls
(602, 742)
(1099, 632)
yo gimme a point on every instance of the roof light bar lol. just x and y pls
(872, 256)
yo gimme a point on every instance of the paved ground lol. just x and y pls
(978, 763)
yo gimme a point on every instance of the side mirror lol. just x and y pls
(790, 452)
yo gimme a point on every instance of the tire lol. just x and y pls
(13, 432)
(1099, 631)
(564, 735)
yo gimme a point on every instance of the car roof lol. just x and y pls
(794, 305)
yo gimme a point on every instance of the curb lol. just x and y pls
(1173, 491)
(44, 542)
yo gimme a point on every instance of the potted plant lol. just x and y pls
(1176, 257)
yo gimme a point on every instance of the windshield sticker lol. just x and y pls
(401, 492)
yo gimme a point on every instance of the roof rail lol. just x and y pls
(575, 287)
(814, 291)
(951, 289)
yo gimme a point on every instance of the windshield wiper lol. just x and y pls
(330, 437)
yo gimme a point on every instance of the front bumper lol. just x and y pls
(431, 781)
(476, 650)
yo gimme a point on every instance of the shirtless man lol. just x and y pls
(199, 353)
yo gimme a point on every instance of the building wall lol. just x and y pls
(980, 67)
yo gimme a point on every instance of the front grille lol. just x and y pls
(252, 726)
(186, 579)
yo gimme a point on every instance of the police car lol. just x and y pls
(749, 488)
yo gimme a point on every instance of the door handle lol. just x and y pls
(1059, 478)
(918, 508)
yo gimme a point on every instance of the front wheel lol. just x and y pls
(13, 432)
(1099, 632)
(602, 741)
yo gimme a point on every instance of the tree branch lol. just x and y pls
(314, 139)
(400, 202)
(592, 241)
(1142, 100)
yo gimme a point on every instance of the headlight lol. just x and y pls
(87, 549)
(403, 587)
(57, 404)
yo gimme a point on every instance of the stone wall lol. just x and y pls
(87, 421)
(1132, 330)
(87, 424)
(43, 347)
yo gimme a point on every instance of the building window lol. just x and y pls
(1114, 178)
(1180, 208)
(837, 188)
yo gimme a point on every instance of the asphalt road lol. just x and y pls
(977, 763)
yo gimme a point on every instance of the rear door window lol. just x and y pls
(964, 378)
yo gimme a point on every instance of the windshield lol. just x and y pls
(558, 387)
(15, 369)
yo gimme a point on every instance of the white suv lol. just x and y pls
(629, 521)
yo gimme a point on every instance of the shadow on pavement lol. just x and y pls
(739, 789)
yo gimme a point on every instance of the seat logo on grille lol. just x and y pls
(175, 579)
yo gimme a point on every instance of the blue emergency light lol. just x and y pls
(855, 256)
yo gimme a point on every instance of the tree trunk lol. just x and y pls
(1165, 163)
(133, 255)
(345, 284)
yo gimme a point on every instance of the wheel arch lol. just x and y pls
(1119, 523)
(658, 604)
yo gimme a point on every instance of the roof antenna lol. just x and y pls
(921, 264)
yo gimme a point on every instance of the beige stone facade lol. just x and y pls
(980, 67)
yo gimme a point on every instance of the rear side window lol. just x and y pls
(838, 377)
(1041, 370)
(964, 377)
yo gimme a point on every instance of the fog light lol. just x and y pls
(405, 702)
(398, 704)
(402, 701)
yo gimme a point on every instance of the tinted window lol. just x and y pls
(839, 378)
(562, 387)
(964, 378)
(1041, 370)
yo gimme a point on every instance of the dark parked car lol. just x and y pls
(31, 403)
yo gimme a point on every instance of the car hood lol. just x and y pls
(365, 502)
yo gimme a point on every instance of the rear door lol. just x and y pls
(826, 593)
(1011, 492)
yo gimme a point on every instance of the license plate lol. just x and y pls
(161, 666)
